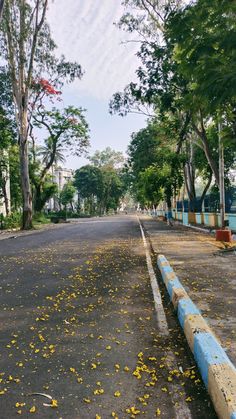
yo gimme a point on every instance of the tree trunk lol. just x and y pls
(37, 197)
(25, 184)
(201, 132)
(1, 8)
(205, 190)
(5, 197)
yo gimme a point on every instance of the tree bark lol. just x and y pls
(201, 132)
(1, 8)
(25, 184)
(205, 190)
(5, 197)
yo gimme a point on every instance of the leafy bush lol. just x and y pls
(40, 218)
(11, 221)
(68, 214)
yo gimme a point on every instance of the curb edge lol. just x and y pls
(216, 369)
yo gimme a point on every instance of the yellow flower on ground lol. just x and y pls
(33, 409)
(117, 394)
(158, 412)
(54, 403)
(133, 410)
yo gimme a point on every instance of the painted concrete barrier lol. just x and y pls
(217, 371)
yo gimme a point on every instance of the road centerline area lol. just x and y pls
(79, 324)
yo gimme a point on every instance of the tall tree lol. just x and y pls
(88, 182)
(67, 129)
(67, 194)
(23, 23)
(35, 73)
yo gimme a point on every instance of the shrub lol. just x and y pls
(11, 221)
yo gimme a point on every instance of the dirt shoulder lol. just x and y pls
(208, 275)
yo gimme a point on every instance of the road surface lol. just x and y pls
(78, 323)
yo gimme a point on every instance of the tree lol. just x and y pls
(166, 78)
(88, 182)
(110, 163)
(67, 129)
(157, 169)
(107, 157)
(22, 25)
(204, 34)
(113, 189)
(67, 194)
(29, 51)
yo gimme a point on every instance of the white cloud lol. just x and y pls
(84, 31)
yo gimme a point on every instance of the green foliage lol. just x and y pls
(66, 128)
(40, 219)
(157, 171)
(113, 189)
(67, 194)
(204, 35)
(88, 181)
(107, 158)
(187, 78)
(12, 221)
(15, 186)
(101, 184)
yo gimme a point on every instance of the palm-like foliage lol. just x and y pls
(46, 152)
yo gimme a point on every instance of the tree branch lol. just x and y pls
(38, 26)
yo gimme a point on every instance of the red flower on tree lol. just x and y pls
(47, 87)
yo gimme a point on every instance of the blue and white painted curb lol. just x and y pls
(217, 371)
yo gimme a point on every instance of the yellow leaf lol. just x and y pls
(33, 409)
(54, 403)
(117, 394)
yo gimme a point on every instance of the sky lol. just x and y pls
(84, 31)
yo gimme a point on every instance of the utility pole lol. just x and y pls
(221, 177)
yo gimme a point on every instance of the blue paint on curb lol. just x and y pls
(207, 351)
(173, 283)
(186, 307)
(166, 269)
(233, 415)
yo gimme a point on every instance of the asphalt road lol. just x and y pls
(78, 323)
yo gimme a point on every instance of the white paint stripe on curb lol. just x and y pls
(217, 371)
(182, 411)
(161, 317)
